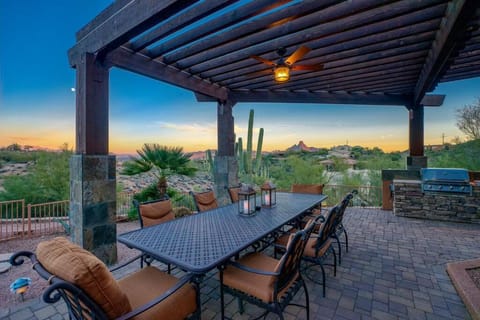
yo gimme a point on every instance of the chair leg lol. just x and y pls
(323, 278)
(346, 238)
(307, 305)
(240, 305)
(339, 245)
(222, 299)
(334, 262)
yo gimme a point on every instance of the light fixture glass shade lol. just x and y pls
(268, 194)
(247, 201)
(282, 73)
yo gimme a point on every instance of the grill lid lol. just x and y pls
(445, 175)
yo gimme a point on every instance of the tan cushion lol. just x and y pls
(156, 212)
(149, 283)
(234, 193)
(206, 200)
(307, 188)
(310, 248)
(80, 267)
(260, 286)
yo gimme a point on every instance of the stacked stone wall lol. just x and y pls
(410, 201)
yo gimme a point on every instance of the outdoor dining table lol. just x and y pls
(200, 242)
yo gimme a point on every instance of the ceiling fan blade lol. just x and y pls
(267, 62)
(297, 55)
(313, 67)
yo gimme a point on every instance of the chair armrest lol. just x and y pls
(252, 270)
(127, 262)
(181, 282)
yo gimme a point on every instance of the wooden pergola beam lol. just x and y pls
(136, 62)
(121, 22)
(313, 97)
(450, 32)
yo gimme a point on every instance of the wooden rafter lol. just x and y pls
(459, 13)
(141, 64)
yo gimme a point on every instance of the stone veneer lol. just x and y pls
(225, 175)
(410, 201)
(93, 205)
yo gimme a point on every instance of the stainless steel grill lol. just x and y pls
(446, 180)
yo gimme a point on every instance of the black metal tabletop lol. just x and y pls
(203, 241)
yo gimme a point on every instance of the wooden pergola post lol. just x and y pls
(226, 166)
(416, 158)
(92, 170)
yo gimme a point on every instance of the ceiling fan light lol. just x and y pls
(282, 73)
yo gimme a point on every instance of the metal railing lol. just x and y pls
(367, 197)
(18, 220)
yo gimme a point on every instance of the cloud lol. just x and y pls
(194, 127)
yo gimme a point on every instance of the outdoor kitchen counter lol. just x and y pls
(410, 201)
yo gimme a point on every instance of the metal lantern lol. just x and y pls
(247, 201)
(269, 194)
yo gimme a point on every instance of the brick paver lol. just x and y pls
(395, 269)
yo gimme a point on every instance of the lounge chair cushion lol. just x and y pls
(150, 283)
(76, 265)
(156, 212)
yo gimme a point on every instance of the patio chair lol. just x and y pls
(339, 228)
(204, 200)
(151, 213)
(265, 281)
(233, 193)
(154, 212)
(319, 245)
(310, 189)
(91, 292)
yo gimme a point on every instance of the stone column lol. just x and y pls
(93, 205)
(92, 170)
(226, 167)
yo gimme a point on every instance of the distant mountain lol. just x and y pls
(301, 146)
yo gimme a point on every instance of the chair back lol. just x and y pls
(342, 207)
(326, 228)
(308, 188)
(233, 193)
(289, 266)
(205, 200)
(154, 212)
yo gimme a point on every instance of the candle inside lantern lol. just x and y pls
(267, 199)
(245, 206)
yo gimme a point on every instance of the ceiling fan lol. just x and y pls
(281, 68)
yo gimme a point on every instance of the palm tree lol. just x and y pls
(162, 161)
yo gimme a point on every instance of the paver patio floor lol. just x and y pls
(395, 269)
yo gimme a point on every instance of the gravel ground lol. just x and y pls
(8, 299)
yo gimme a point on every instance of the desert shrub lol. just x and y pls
(48, 180)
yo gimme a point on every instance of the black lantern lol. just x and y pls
(269, 194)
(246, 200)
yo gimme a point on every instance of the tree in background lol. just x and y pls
(297, 170)
(468, 120)
(162, 161)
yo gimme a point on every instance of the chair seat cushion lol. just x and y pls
(260, 286)
(76, 265)
(149, 283)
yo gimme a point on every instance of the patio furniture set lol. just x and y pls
(214, 238)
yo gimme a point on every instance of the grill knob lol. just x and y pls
(451, 187)
(439, 187)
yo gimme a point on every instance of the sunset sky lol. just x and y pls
(37, 105)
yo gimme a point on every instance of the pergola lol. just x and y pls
(373, 52)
